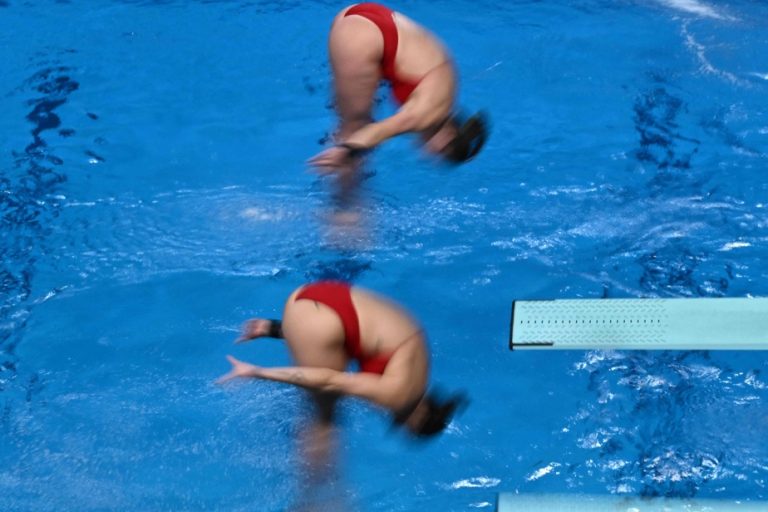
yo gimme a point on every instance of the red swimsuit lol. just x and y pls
(383, 18)
(336, 295)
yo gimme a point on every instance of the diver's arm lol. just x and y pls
(430, 103)
(347, 153)
(375, 388)
(371, 135)
(303, 376)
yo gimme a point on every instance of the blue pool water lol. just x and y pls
(153, 195)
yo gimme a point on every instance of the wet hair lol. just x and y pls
(469, 140)
(439, 413)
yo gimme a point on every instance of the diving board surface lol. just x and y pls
(508, 502)
(640, 324)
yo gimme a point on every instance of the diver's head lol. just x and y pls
(431, 414)
(458, 139)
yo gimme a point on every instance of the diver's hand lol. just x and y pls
(254, 328)
(341, 157)
(332, 160)
(240, 369)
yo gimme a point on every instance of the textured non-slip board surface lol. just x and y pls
(640, 324)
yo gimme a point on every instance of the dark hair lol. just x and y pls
(470, 137)
(439, 413)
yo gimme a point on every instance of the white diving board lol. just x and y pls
(640, 324)
(509, 502)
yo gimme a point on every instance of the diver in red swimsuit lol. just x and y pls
(329, 324)
(369, 42)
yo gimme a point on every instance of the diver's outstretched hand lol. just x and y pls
(254, 328)
(240, 369)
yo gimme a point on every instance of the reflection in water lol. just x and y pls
(668, 424)
(27, 204)
(346, 233)
(322, 487)
(348, 230)
(656, 122)
(342, 267)
(674, 268)
(679, 272)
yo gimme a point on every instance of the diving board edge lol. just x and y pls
(513, 502)
(512, 344)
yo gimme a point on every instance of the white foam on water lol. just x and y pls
(542, 471)
(476, 482)
(734, 245)
(698, 8)
(706, 65)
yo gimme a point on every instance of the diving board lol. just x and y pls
(640, 324)
(508, 502)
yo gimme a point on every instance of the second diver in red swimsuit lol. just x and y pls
(327, 325)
